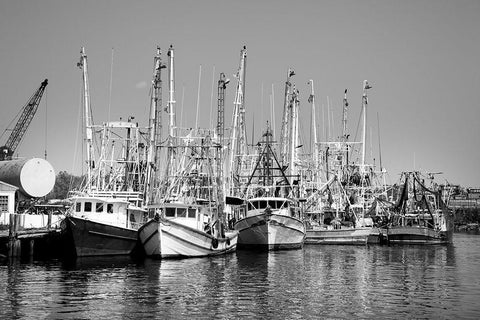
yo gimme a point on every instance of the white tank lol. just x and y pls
(34, 177)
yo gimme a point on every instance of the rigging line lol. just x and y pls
(79, 120)
(46, 120)
(356, 131)
(323, 123)
(379, 143)
(273, 111)
(198, 95)
(211, 97)
(13, 120)
(261, 108)
(328, 117)
(181, 111)
(110, 89)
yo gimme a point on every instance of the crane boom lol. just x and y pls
(29, 110)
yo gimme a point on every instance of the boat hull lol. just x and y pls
(169, 239)
(92, 238)
(416, 235)
(350, 236)
(270, 232)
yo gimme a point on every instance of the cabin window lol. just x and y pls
(181, 212)
(99, 207)
(87, 207)
(263, 204)
(191, 213)
(78, 207)
(110, 207)
(169, 212)
(250, 206)
(272, 204)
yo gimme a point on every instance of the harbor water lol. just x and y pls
(316, 282)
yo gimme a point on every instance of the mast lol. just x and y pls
(284, 143)
(344, 117)
(155, 128)
(171, 91)
(222, 85)
(87, 117)
(366, 86)
(311, 99)
(294, 132)
(238, 145)
(171, 112)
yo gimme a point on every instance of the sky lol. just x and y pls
(421, 58)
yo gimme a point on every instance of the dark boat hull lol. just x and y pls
(92, 238)
(416, 235)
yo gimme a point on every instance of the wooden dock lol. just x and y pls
(17, 242)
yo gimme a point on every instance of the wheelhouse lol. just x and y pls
(108, 210)
(276, 205)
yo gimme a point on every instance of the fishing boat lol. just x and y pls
(339, 211)
(270, 225)
(188, 221)
(271, 221)
(420, 215)
(187, 216)
(101, 226)
(181, 230)
(107, 211)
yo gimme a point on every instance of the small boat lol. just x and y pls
(182, 230)
(421, 215)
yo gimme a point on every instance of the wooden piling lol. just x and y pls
(14, 244)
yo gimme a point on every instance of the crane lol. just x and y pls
(29, 110)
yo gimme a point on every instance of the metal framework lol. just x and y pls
(18, 132)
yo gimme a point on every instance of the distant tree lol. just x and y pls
(64, 183)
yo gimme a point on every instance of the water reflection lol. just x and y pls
(316, 282)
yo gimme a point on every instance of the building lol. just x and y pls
(7, 201)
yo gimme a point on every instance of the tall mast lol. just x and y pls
(284, 143)
(366, 86)
(311, 99)
(238, 138)
(222, 85)
(171, 112)
(294, 132)
(155, 127)
(88, 118)
(171, 91)
(242, 141)
(344, 117)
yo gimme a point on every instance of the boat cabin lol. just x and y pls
(281, 206)
(111, 211)
(193, 216)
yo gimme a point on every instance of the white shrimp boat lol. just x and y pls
(269, 225)
(181, 230)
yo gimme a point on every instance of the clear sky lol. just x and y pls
(421, 57)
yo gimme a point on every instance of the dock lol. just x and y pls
(17, 242)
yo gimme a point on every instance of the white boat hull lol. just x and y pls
(169, 239)
(270, 232)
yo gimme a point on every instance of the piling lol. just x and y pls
(14, 244)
